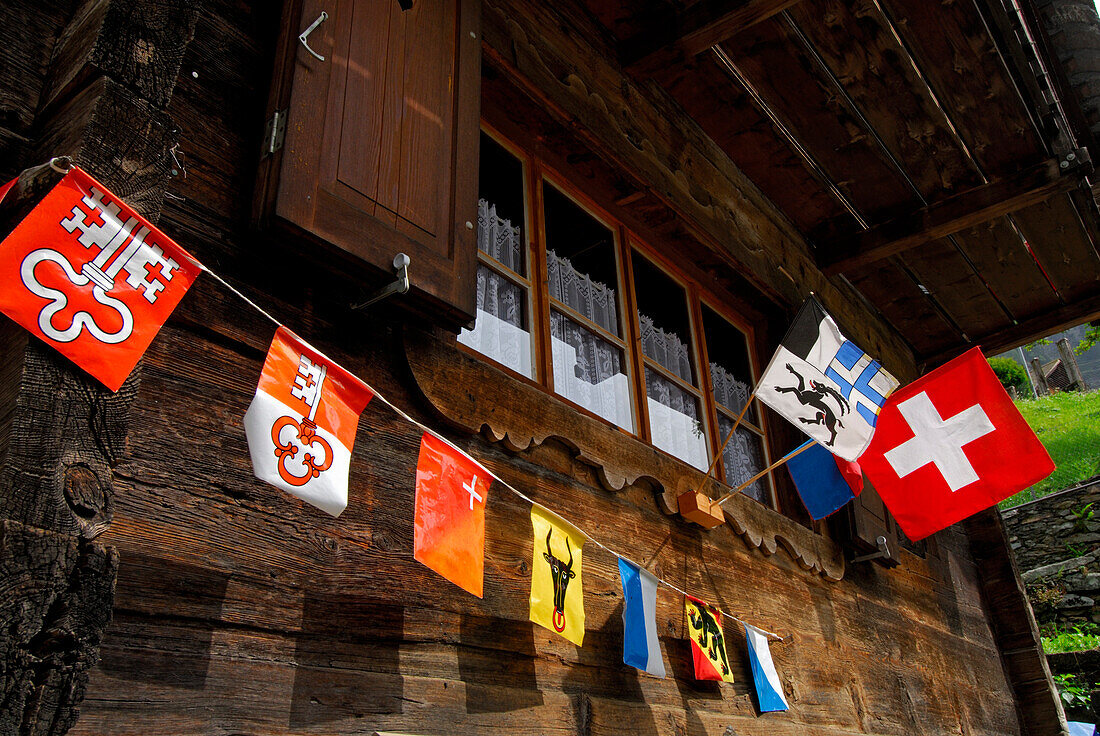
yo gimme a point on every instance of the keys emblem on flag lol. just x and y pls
(118, 248)
(308, 384)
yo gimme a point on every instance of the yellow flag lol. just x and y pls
(708, 645)
(557, 596)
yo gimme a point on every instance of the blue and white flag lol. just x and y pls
(769, 692)
(640, 646)
(1077, 728)
(824, 384)
(824, 481)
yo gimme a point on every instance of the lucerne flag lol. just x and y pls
(641, 648)
(92, 278)
(949, 445)
(301, 424)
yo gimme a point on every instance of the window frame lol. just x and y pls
(536, 174)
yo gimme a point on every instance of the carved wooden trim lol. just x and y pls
(522, 416)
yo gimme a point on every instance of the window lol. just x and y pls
(587, 310)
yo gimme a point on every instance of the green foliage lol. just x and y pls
(1079, 638)
(1010, 373)
(1068, 425)
(1045, 595)
(1082, 517)
(1074, 694)
(1092, 336)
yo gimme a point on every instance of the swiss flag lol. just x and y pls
(949, 445)
(449, 528)
(91, 277)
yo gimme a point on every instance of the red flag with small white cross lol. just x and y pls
(949, 445)
(449, 523)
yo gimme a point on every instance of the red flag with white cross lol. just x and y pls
(949, 445)
(91, 277)
(449, 525)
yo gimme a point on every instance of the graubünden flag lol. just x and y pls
(301, 424)
(449, 524)
(949, 445)
(92, 278)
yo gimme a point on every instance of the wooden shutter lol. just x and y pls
(381, 138)
(865, 520)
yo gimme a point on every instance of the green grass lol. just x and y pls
(1077, 639)
(1068, 425)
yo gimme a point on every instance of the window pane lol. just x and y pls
(580, 261)
(590, 371)
(663, 318)
(500, 209)
(730, 369)
(501, 330)
(744, 458)
(674, 420)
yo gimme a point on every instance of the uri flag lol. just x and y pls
(301, 424)
(949, 445)
(557, 596)
(824, 481)
(449, 525)
(640, 646)
(824, 384)
(92, 278)
(708, 646)
(769, 691)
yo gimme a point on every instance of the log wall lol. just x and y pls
(240, 610)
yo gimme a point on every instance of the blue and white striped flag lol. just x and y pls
(640, 646)
(769, 691)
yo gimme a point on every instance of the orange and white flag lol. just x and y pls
(92, 278)
(449, 524)
(301, 424)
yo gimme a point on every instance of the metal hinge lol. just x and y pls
(274, 133)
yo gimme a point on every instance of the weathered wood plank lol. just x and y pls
(1062, 246)
(964, 210)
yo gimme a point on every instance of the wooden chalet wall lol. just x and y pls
(240, 610)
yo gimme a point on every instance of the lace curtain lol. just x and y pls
(728, 391)
(744, 458)
(499, 332)
(666, 348)
(594, 300)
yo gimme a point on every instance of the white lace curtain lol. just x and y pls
(498, 238)
(594, 300)
(728, 391)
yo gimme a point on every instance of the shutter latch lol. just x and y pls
(274, 133)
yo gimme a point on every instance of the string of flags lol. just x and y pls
(98, 281)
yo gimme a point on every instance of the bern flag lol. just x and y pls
(301, 424)
(557, 596)
(708, 646)
(769, 691)
(449, 523)
(824, 481)
(824, 384)
(640, 646)
(949, 445)
(92, 278)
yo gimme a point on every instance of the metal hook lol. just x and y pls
(179, 164)
(399, 286)
(56, 161)
(883, 551)
(304, 37)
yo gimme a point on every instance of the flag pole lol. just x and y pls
(736, 423)
(805, 446)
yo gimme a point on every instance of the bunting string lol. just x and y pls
(520, 494)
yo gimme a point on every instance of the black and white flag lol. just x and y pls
(824, 384)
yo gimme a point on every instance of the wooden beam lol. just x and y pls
(691, 31)
(967, 209)
(1025, 331)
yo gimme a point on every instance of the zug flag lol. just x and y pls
(824, 384)
(301, 424)
(708, 645)
(449, 521)
(92, 278)
(824, 481)
(949, 445)
(640, 646)
(557, 596)
(769, 691)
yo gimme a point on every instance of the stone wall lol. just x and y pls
(1056, 540)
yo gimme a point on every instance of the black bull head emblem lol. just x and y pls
(561, 573)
